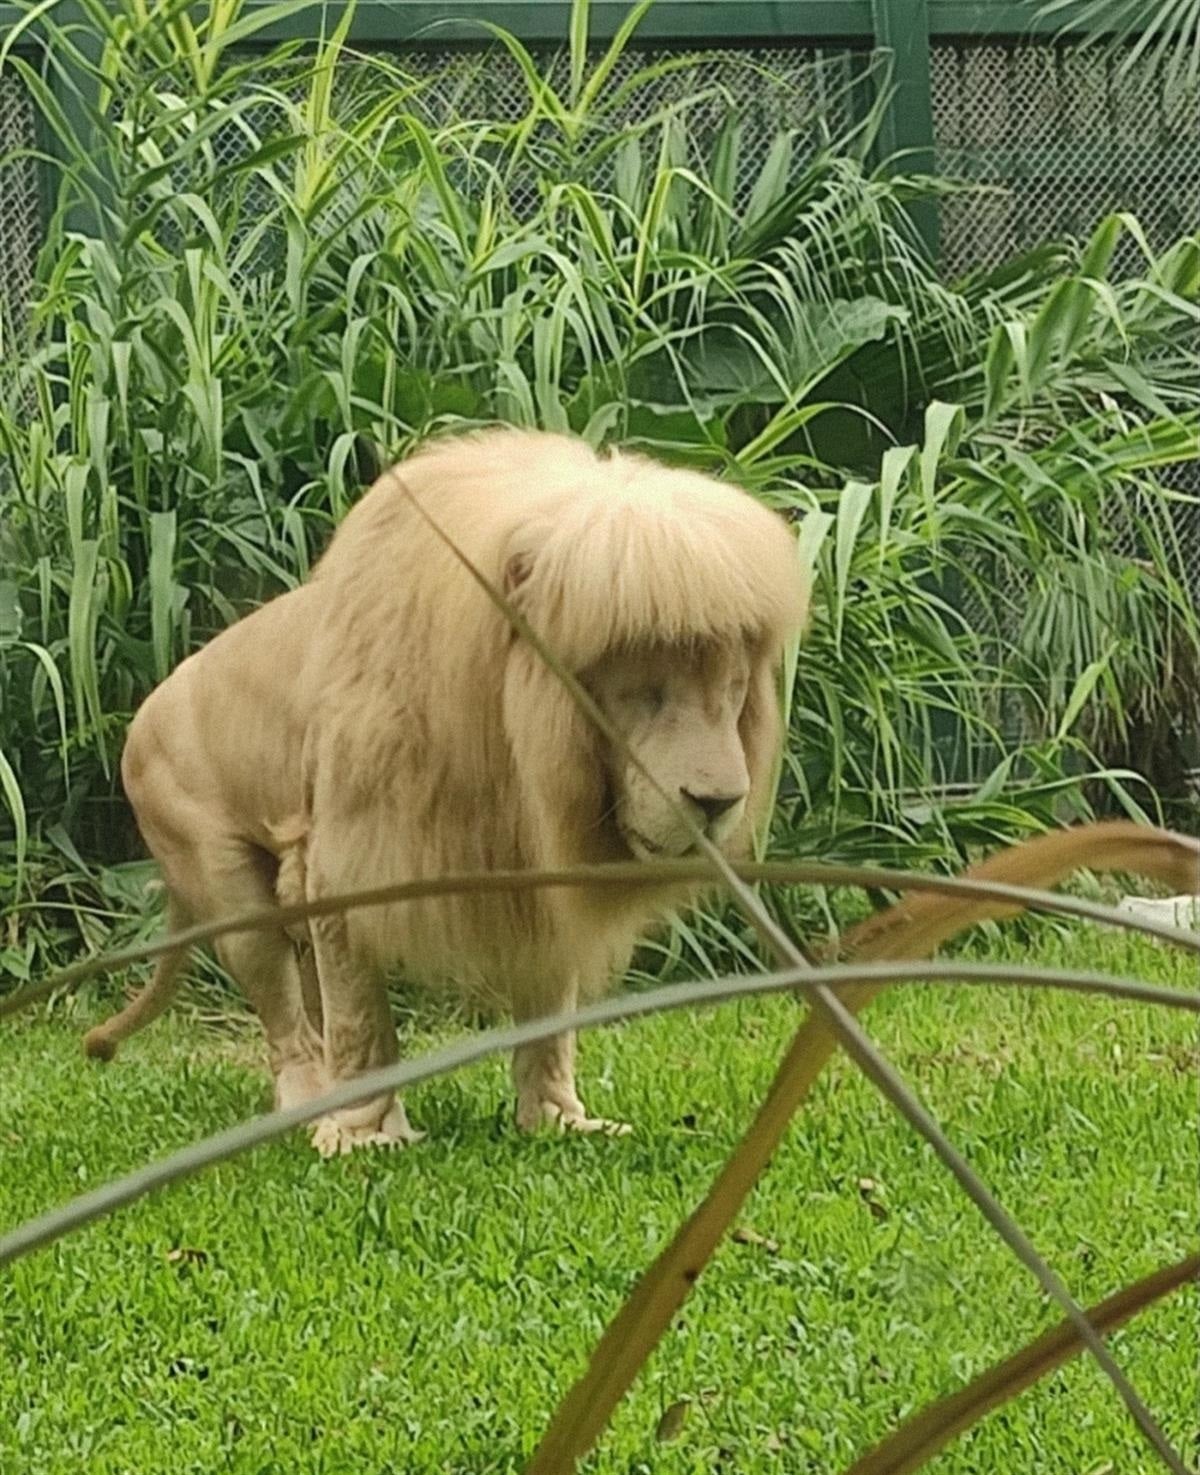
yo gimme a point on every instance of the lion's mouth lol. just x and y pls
(637, 841)
(646, 849)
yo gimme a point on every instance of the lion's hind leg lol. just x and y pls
(359, 1036)
(240, 878)
(291, 889)
(210, 874)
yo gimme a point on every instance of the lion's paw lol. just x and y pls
(337, 1135)
(533, 1115)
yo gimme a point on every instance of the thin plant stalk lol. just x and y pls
(620, 874)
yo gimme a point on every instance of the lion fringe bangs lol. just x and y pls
(602, 552)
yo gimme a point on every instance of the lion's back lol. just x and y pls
(226, 728)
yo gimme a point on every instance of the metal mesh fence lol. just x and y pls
(812, 91)
(770, 87)
(815, 93)
(1186, 479)
(1059, 133)
(20, 199)
(1062, 134)
(809, 90)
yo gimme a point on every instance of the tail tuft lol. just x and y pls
(98, 1045)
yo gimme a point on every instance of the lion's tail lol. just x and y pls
(101, 1043)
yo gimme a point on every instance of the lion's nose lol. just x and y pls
(712, 806)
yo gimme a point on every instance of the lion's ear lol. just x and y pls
(516, 572)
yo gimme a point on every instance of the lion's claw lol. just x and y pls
(533, 1116)
(335, 1137)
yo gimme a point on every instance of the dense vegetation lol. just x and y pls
(269, 272)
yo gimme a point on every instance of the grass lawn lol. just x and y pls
(423, 1311)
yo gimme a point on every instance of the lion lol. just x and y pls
(386, 722)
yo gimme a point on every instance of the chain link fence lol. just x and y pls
(816, 93)
(1061, 134)
(20, 199)
(1058, 133)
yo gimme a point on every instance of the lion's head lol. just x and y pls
(668, 594)
(671, 596)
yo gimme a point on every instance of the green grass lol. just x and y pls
(424, 1311)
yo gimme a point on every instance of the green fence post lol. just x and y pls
(902, 28)
(906, 135)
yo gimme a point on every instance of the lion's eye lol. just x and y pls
(648, 698)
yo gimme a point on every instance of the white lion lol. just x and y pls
(384, 723)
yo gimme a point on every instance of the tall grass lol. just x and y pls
(296, 265)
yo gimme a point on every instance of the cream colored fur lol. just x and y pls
(384, 723)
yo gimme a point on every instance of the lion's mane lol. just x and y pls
(444, 743)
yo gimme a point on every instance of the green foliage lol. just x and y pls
(268, 274)
(1164, 32)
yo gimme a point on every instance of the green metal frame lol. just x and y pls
(547, 20)
(906, 132)
(854, 21)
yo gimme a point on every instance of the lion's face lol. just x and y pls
(678, 711)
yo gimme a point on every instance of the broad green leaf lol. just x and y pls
(11, 618)
(1081, 692)
(55, 682)
(772, 181)
(852, 507)
(943, 426)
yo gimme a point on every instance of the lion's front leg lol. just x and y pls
(544, 1077)
(359, 1036)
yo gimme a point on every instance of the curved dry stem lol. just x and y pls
(912, 926)
(622, 874)
(919, 1438)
